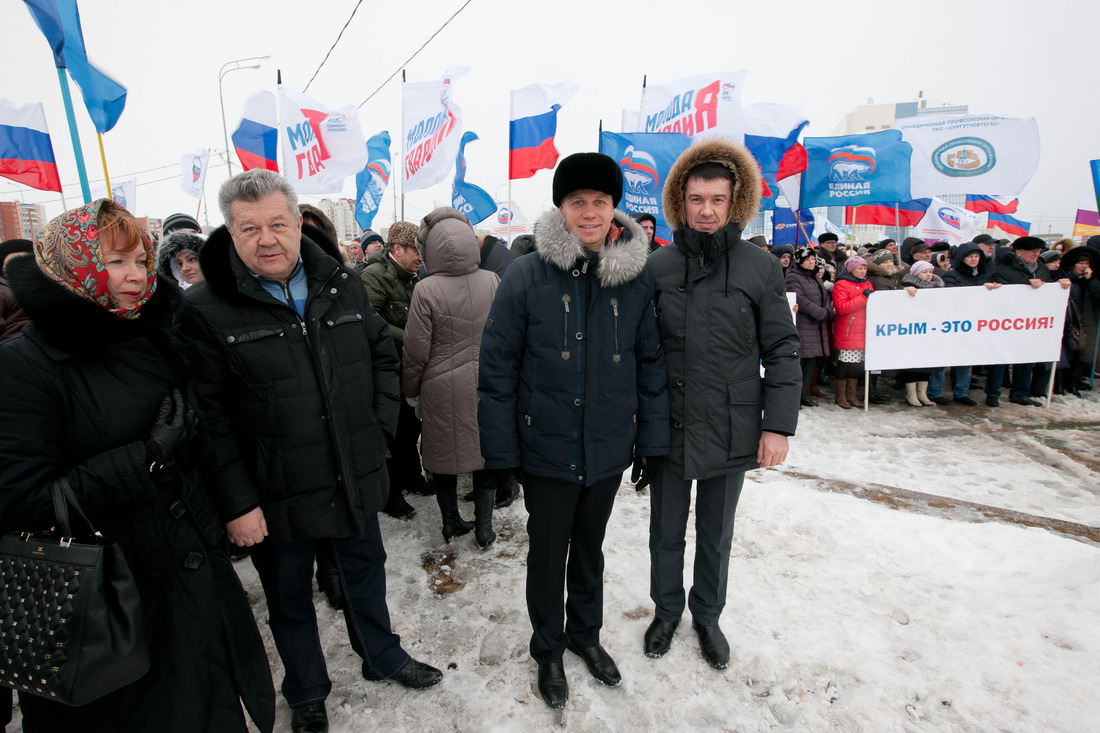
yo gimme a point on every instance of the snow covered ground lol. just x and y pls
(843, 613)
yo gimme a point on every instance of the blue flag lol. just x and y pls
(59, 21)
(474, 202)
(786, 229)
(856, 169)
(645, 158)
(371, 182)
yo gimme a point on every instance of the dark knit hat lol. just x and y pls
(941, 246)
(644, 216)
(1051, 255)
(984, 239)
(1029, 243)
(179, 221)
(887, 241)
(591, 171)
(368, 236)
(881, 256)
(828, 237)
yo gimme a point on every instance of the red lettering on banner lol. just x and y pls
(982, 324)
(1033, 323)
(706, 107)
(419, 156)
(1018, 324)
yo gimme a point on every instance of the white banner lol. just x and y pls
(979, 154)
(1014, 324)
(193, 172)
(123, 193)
(321, 146)
(943, 222)
(705, 105)
(509, 219)
(431, 130)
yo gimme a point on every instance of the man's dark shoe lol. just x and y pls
(712, 642)
(965, 401)
(309, 718)
(877, 398)
(401, 509)
(658, 637)
(941, 400)
(417, 675)
(553, 687)
(992, 400)
(598, 661)
(1026, 401)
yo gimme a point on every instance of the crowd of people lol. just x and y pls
(266, 392)
(832, 286)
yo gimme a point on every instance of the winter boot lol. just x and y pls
(328, 577)
(922, 394)
(814, 381)
(1071, 380)
(853, 394)
(842, 394)
(876, 397)
(453, 523)
(911, 394)
(484, 498)
(507, 493)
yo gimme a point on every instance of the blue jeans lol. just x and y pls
(286, 572)
(962, 381)
(935, 382)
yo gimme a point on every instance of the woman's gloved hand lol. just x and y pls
(172, 431)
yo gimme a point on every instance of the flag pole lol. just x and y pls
(78, 152)
(103, 157)
(641, 106)
(509, 205)
(897, 221)
(404, 143)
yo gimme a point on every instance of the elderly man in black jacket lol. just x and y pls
(294, 369)
(722, 313)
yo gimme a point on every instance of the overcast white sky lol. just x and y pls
(1011, 57)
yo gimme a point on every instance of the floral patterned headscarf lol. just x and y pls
(68, 252)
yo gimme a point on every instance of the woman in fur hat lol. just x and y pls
(178, 258)
(95, 391)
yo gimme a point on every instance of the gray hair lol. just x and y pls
(251, 186)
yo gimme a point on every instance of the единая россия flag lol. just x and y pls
(26, 154)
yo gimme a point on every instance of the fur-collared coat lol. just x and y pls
(815, 307)
(443, 341)
(722, 311)
(572, 380)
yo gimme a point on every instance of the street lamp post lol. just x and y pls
(235, 66)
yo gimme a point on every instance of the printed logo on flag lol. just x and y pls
(196, 171)
(504, 215)
(964, 157)
(851, 163)
(639, 171)
(727, 92)
(949, 217)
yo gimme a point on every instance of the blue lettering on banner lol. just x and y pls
(902, 329)
(299, 135)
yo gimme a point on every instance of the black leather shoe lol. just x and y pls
(309, 718)
(1026, 401)
(965, 401)
(808, 402)
(553, 687)
(417, 675)
(401, 509)
(992, 400)
(598, 661)
(715, 648)
(941, 400)
(658, 637)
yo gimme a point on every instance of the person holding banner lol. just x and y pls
(815, 307)
(850, 295)
(969, 268)
(723, 313)
(1021, 266)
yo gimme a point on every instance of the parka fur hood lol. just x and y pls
(170, 247)
(746, 172)
(620, 261)
(447, 243)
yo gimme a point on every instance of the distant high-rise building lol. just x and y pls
(21, 221)
(341, 213)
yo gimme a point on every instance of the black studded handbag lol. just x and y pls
(70, 612)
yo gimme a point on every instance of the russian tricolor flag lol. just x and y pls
(26, 154)
(1009, 224)
(256, 140)
(907, 214)
(993, 204)
(534, 121)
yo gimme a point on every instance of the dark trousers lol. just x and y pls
(1020, 388)
(286, 572)
(715, 505)
(566, 526)
(403, 465)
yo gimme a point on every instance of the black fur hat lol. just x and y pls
(592, 171)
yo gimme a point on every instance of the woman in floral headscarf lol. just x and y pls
(94, 390)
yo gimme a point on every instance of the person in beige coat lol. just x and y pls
(440, 364)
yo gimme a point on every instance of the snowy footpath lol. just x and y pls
(845, 612)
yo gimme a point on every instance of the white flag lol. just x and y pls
(978, 154)
(124, 193)
(193, 172)
(946, 223)
(431, 130)
(705, 105)
(321, 146)
(509, 218)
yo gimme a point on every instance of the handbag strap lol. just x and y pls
(63, 496)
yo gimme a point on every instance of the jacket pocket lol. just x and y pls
(745, 406)
(262, 352)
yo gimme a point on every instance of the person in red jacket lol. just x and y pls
(850, 295)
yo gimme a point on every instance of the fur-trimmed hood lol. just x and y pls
(169, 247)
(620, 261)
(746, 194)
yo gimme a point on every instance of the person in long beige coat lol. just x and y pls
(442, 346)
